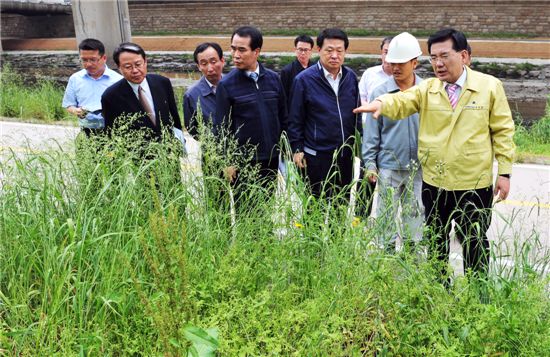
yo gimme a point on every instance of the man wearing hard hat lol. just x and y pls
(390, 150)
(465, 123)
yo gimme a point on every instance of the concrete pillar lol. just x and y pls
(107, 21)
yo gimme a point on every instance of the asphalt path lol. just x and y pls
(524, 218)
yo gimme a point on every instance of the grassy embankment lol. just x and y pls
(42, 102)
(104, 254)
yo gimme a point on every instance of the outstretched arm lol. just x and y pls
(374, 107)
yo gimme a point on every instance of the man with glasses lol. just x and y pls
(83, 93)
(465, 123)
(251, 105)
(149, 98)
(303, 46)
(322, 126)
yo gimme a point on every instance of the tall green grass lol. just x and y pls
(104, 253)
(41, 100)
(534, 139)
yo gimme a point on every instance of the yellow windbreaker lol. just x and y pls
(456, 147)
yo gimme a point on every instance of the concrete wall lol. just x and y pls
(42, 26)
(487, 16)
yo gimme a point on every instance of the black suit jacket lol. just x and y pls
(120, 100)
(288, 73)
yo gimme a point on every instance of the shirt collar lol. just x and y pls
(207, 87)
(462, 79)
(257, 70)
(327, 74)
(393, 87)
(106, 73)
(208, 82)
(143, 85)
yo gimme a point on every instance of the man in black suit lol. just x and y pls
(303, 45)
(147, 98)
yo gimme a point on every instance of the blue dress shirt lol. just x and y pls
(85, 92)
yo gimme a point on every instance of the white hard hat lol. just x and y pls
(403, 48)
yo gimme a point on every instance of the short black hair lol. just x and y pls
(303, 38)
(256, 38)
(128, 47)
(91, 44)
(460, 43)
(385, 40)
(204, 46)
(333, 33)
(469, 49)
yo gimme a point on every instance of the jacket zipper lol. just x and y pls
(341, 122)
(338, 105)
(340, 114)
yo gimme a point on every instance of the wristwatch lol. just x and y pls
(506, 175)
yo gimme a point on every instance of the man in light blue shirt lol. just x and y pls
(83, 93)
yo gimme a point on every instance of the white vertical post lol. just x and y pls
(105, 20)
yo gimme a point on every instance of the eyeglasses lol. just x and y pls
(303, 50)
(90, 60)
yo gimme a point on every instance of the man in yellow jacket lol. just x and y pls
(465, 122)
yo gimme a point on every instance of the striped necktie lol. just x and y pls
(453, 95)
(146, 105)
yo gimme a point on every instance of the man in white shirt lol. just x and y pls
(376, 75)
(372, 78)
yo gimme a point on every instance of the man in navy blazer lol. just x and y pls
(149, 97)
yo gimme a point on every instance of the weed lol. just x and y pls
(40, 101)
(111, 254)
(534, 139)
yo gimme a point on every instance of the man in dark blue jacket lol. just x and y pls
(322, 126)
(251, 104)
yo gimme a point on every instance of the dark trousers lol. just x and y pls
(471, 211)
(329, 175)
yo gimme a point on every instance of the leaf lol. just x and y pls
(204, 343)
(192, 352)
(174, 342)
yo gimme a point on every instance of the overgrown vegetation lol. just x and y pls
(40, 101)
(533, 139)
(109, 254)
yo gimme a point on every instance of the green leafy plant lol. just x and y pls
(104, 252)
